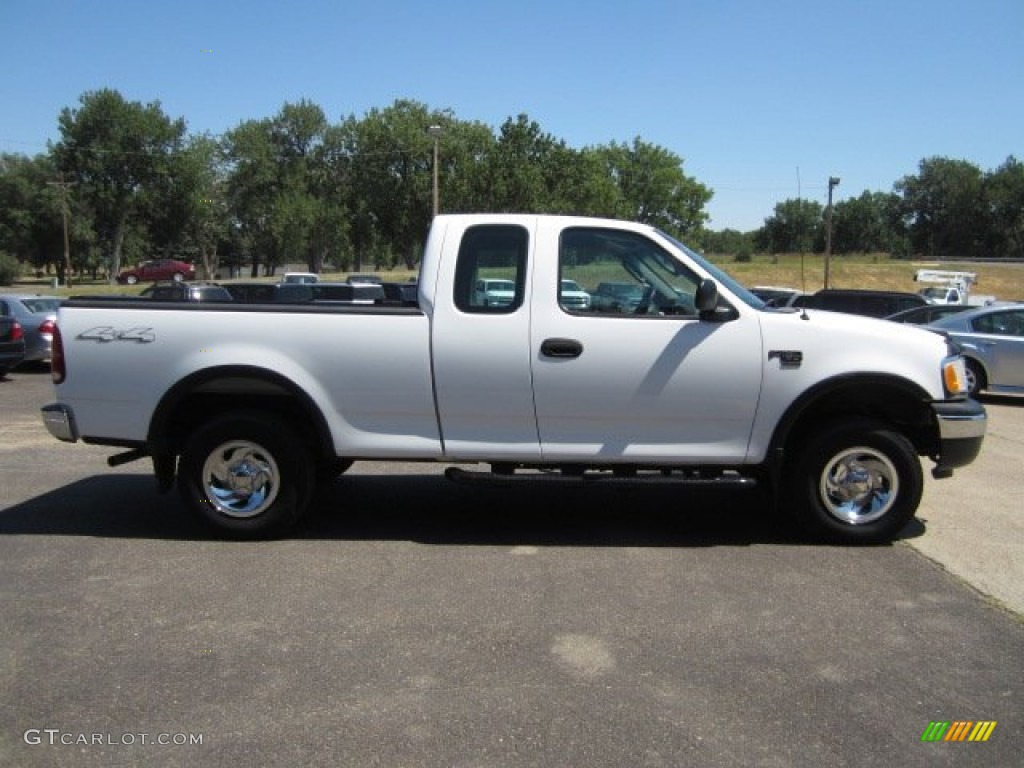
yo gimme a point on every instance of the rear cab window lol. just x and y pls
(490, 276)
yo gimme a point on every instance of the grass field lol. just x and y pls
(1004, 281)
(879, 272)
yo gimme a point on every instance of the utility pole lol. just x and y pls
(65, 212)
(435, 131)
(833, 181)
(800, 229)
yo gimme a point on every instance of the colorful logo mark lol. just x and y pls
(958, 730)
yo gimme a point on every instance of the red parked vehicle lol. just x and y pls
(158, 269)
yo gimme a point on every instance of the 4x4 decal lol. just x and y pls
(106, 333)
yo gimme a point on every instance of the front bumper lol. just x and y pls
(962, 426)
(59, 420)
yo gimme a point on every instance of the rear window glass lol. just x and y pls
(490, 275)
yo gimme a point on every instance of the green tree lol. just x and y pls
(30, 220)
(654, 189)
(329, 183)
(203, 185)
(275, 169)
(115, 151)
(392, 181)
(516, 167)
(726, 241)
(579, 183)
(796, 226)
(944, 208)
(251, 186)
(465, 151)
(864, 224)
(1004, 195)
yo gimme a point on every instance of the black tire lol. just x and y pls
(975, 377)
(856, 481)
(246, 473)
(131, 279)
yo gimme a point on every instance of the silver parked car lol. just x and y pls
(992, 339)
(928, 313)
(38, 316)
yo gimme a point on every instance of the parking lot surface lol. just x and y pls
(414, 622)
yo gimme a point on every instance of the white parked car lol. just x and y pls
(299, 277)
(493, 292)
(572, 296)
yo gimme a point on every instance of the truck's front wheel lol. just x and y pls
(856, 482)
(247, 473)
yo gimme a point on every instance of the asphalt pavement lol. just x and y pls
(414, 622)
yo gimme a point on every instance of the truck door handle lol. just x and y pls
(561, 348)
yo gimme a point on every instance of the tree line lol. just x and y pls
(949, 209)
(130, 183)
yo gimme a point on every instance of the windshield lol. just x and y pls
(721, 277)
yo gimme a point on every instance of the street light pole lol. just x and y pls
(833, 181)
(435, 131)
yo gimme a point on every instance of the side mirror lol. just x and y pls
(706, 298)
(706, 301)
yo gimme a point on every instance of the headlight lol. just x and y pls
(954, 376)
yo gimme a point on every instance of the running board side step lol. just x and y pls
(556, 477)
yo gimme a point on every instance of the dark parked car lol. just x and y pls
(992, 341)
(860, 301)
(406, 294)
(303, 293)
(37, 315)
(926, 314)
(172, 291)
(158, 269)
(617, 297)
(12, 344)
(349, 293)
(253, 293)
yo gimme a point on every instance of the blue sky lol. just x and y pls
(762, 99)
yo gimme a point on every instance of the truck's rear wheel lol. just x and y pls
(856, 482)
(246, 473)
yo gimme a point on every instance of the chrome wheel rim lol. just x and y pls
(972, 380)
(241, 479)
(859, 485)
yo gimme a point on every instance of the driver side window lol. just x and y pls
(611, 272)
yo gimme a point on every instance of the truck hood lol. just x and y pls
(832, 343)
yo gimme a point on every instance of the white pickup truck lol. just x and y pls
(249, 405)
